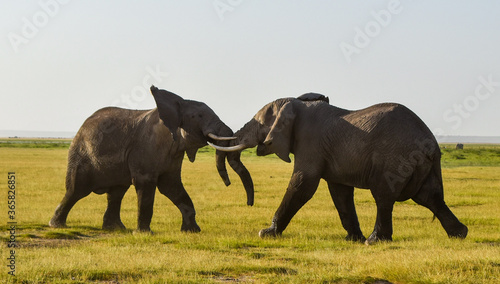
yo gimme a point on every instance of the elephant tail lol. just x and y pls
(73, 162)
(433, 184)
(77, 159)
(436, 170)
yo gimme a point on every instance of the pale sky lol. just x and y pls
(61, 60)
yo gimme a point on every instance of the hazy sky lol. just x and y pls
(63, 60)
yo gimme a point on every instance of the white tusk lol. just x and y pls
(219, 138)
(228, 149)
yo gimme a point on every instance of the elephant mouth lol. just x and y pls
(263, 150)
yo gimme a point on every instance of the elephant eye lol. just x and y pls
(199, 116)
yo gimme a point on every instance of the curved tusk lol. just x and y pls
(219, 138)
(228, 149)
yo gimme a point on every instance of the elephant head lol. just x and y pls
(271, 129)
(192, 124)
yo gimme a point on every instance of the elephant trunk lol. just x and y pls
(235, 163)
(220, 162)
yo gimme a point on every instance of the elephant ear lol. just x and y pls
(279, 139)
(191, 153)
(169, 109)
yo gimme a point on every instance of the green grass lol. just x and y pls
(228, 249)
(471, 155)
(34, 143)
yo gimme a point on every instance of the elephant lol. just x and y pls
(385, 148)
(116, 148)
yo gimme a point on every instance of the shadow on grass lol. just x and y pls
(36, 235)
(238, 273)
(96, 275)
(364, 280)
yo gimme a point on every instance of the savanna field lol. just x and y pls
(311, 250)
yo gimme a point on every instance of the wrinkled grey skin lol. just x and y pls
(385, 148)
(117, 147)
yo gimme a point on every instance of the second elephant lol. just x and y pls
(385, 148)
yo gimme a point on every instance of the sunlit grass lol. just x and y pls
(228, 249)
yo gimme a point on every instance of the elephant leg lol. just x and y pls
(343, 198)
(145, 200)
(383, 223)
(70, 198)
(300, 190)
(111, 219)
(171, 186)
(435, 202)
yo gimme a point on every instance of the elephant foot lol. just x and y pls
(54, 223)
(191, 229)
(143, 231)
(459, 233)
(355, 238)
(375, 238)
(115, 226)
(269, 233)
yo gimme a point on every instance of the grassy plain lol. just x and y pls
(311, 250)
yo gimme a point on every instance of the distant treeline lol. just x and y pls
(35, 143)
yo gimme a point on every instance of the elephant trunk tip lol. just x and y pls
(225, 177)
(250, 200)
